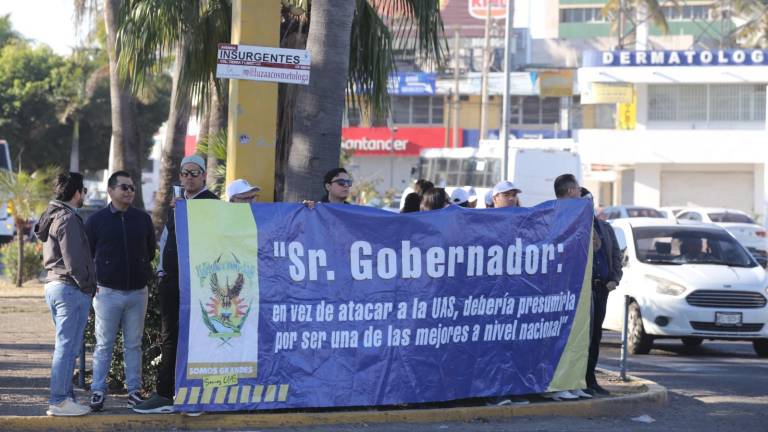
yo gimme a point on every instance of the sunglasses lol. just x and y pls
(191, 173)
(343, 182)
(125, 187)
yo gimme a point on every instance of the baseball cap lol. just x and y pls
(195, 159)
(505, 186)
(240, 186)
(489, 198)
(459, 196)
(471, 192)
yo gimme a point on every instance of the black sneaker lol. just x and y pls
(155, 405)
(134, 398)
(97, 401)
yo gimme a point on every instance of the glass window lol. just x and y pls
(420, 110)
(515, 108)
(692, 102)
(730, 217)
(437, 110)
(532, 110)
(401, 109)
(689, 245)
(634, 212)
(550, 110)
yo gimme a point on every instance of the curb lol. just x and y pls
(610, 406)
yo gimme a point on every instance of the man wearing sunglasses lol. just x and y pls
(122, 241)
(192, 177)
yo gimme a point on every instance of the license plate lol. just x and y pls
(728, 318)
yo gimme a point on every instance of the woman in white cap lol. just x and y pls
(240, 191)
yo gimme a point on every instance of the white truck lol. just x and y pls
(533, 166)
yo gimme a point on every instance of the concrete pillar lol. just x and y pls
(648, 185)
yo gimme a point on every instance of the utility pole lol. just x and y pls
(621, 23)
(456, 96)
(505, 103)
(486, 67)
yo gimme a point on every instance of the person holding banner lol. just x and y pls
(240, 191)
(192, 177)
(505, 195)
(606, 274)
(337, 186)
(435, 199)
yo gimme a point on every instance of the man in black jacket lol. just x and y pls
(606, 274)
(192, 177)
(122, 241)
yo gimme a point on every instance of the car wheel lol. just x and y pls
(761, 347)
(639, 341)
(692, 342)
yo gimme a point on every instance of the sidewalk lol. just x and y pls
(26, 345)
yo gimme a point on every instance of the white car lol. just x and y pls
(670, 212)
(692, 282)
(738, 223)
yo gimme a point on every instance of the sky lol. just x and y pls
(47, 21)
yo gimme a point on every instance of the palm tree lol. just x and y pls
(751, 20)
(637, 12)
(126, 148)
(28, 195)
(151, 28)
(150, 31)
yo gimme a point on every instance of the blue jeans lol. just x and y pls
(115, 309)
(69, 308)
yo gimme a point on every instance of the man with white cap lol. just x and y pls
(472, 200)
(460, 197)
(505, 194)
(240, 191)
(192, 177)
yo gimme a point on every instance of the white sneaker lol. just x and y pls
(67, 408)
(559, 396)
(581, 393)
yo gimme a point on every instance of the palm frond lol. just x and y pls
(379, 29)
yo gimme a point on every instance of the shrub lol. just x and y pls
(33, 260)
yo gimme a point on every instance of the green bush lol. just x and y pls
(33, 260)
(150, 345)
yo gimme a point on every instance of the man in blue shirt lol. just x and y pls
(606, 274)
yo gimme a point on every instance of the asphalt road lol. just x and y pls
(722, 386)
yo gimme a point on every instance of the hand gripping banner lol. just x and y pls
(288, 307)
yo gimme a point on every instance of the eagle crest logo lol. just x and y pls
(226, 310)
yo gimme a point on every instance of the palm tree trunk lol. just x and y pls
(217, 120)
(20, 243)
(74, 151)
(316, 143)
(126, 148)
(173, 145)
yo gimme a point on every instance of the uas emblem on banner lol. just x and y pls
(228, 306)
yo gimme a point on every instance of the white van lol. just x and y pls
(533, 166)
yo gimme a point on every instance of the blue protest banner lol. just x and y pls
(288, 307)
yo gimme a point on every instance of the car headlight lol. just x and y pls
(666, 287)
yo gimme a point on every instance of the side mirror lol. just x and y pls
(624, 258)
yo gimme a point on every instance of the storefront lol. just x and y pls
(691, 133)
(387, 157)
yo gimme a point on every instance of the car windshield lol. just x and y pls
(686, 245)
(636, 212)
(730, 217)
